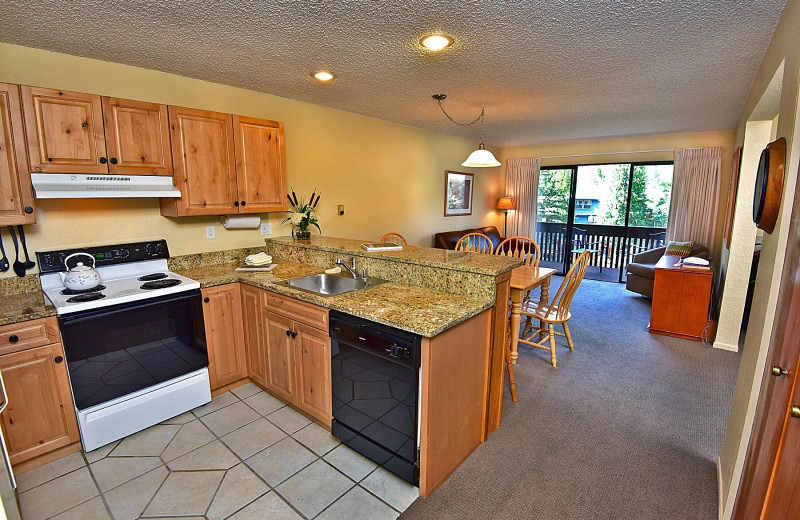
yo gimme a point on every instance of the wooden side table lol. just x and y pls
(681, 296)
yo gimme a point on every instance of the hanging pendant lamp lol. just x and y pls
(480, 158)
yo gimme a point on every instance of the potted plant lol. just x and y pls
(302, 215)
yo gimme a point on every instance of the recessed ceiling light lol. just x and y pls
(323, 75)
(436, 42)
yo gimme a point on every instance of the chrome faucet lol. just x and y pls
(351, 267)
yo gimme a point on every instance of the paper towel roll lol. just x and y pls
(240, 221)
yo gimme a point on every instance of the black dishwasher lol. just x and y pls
(375, 378)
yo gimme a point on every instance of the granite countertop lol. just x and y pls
(456, 260)
(414, 309)
(16, 308)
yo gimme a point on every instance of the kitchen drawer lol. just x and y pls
(28, 334)
(307, 313)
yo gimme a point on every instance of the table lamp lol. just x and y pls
(505, 203)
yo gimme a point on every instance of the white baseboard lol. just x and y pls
(720, 504)
(725, 346)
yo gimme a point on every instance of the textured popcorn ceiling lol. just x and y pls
(548, 70)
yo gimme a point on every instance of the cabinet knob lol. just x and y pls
(294, 334)
(206, 300)
(288, 333)
(113, 160)
(244, 203)
(236, 203)
(58, 359)
(103, 160)
(85, 124)
(28, 210)
(778, 371)
(794, 411)
(13, 338)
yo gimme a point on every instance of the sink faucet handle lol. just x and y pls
(353, 262)
(363, 273)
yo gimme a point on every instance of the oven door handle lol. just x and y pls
(93, 314)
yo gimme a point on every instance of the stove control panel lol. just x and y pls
(53, 261)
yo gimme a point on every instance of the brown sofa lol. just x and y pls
(449, 239)
(641, 272)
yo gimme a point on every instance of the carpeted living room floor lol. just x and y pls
(628, 426)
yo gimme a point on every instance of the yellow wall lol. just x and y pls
(390, 177)
(634, 149)
(785, 46)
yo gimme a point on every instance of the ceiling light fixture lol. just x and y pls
(480, 158)
(323, 75)
(436, 42)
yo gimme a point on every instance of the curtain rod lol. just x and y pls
(610, 153)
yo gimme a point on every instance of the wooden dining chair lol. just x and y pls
(520, 247)
(475, 243)
(555, 312)
(394, 238)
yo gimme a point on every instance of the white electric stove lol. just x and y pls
(135, 345)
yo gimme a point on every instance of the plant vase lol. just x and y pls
(301, 234)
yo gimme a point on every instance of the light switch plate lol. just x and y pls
(211, 232)
(341, 209)
(266, 228)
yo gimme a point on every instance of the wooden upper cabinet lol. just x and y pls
(64, 131)
(137, 137)
(205, 168)
(222, 314)
(260, 165)
(16, 196)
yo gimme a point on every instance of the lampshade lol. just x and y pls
(480, 158)
(505, 203)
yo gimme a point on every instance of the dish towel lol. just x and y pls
(258, 259)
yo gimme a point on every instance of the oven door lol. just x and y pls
(116, 350)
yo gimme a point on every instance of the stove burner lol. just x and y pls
(161, 284)
(86, 297)
(83, 291)
(153, 276)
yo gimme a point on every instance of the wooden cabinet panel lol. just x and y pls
(278, 346)
(203, 158)
(222, 314)
(313, 354)
(40, 416)
(64, 131)
(16, 196)
(307, 313)
(137, 137)
(28, 334)
(260, 165)
(681, 296)
(253, 341)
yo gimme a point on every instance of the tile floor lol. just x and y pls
(245, 455)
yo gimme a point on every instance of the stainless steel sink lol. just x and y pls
(331, 284)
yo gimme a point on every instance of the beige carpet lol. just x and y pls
(629, 426)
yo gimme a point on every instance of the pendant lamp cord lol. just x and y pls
(479, 118)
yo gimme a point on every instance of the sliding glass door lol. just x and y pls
(612, 211)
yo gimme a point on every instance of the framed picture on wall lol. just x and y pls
(734, 187)
(458, 189)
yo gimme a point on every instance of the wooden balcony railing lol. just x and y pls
(614, 251)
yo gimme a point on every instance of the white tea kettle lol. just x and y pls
(80, 277)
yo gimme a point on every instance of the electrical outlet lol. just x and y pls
(266, 228)
(211, 232)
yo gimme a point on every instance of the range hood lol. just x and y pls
(82, 186)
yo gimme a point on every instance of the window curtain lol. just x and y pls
(695, 191)
(522, 182)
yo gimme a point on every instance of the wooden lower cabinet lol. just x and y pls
(253, 344)
(278, 345)
(40, 416)
(681, 296)
(313, 361)
(222, 314)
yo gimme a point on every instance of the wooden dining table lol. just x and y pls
(523, 279)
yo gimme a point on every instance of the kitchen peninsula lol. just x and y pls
(456, 301)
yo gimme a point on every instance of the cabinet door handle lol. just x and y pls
(58, 359)
(28, 210)
(288, 333)
(103, 160)
(244, 203)
(794, 411)
(236, 203)
(113, 160)
(13, 338)
(206, 300)
(778, 371)
(294, 335)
